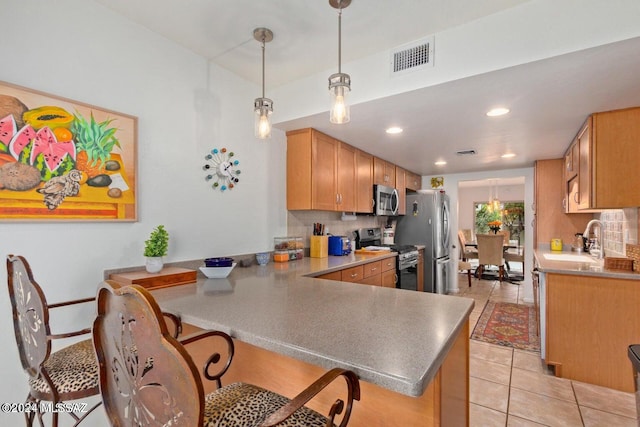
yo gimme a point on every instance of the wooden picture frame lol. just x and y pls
(85, 157)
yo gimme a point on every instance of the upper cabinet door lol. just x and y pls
(413, 181)
(584, 168)
(346, 177)
(364, 182)
(324, 172)
(615, 160)
(311, 170)
(384, 173)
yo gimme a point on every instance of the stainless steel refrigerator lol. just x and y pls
(426, 222)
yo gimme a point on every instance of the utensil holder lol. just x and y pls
(319, 246)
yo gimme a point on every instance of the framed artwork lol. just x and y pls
(62, 160)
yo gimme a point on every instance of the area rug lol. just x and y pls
(509, 325)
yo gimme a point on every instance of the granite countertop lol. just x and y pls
(394, 338)
(578, 267)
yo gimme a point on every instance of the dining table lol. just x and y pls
(509, 256)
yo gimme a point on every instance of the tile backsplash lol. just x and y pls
(619, 227)
(300, 223)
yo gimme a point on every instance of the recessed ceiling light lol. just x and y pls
(497, 112)
(508, 155)
(393, 130)
(440, 163)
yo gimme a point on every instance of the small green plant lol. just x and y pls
(158, 243)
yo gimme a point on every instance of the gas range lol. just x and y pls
(407, 254)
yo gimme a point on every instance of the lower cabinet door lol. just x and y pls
(389, 278)
(374, 280)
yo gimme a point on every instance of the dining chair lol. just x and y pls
(68, 374)
(506, 236)
(145, 374)
(465, 252)
(465, 266)
(490, 252)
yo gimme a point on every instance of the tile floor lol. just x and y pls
(512, 388)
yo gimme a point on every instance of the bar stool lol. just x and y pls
(70, 373)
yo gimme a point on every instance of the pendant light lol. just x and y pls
(263, 107)
(339, 83)
(495, 201)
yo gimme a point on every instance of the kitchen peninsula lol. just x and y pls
(588, 317)
(410, 349)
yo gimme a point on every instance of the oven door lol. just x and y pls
(408, 277)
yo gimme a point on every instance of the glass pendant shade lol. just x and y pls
(339, 83)
(263, 107)
(339, 89)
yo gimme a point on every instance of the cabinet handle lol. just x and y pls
(337, 199)
(354, 275)
(373, 202)
(576, 195)
(564, 203)
(395, 278)
(374, 269)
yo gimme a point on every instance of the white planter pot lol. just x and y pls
(154, 264)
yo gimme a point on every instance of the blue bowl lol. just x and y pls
(263, 258)
(218, 262)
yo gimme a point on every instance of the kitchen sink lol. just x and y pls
(568, 257)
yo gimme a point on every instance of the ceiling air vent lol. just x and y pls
(470, 152)
(412, 56)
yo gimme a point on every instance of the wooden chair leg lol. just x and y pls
(501, 274)
(469, 276)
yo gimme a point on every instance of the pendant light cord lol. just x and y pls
(263, 66)
(340, 38)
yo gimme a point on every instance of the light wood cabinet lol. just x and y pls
(584, 166)
(609, 156)
(375, 273)
(402, 190)
(321, 172)
(324, 173)
(346, 169)
(590, 322)
(413, 181)
(571, 161)
(389, 278)
(334, 275)
(364, 182)
(353, 274)
(384, 173)
(551, 220)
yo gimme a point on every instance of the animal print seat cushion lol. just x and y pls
(246, 405)
(72, 369)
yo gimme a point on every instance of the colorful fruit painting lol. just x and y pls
(47, 141)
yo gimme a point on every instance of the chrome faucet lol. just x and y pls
(596, 250)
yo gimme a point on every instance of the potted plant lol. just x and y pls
(155, 248)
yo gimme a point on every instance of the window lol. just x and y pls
(511, 214)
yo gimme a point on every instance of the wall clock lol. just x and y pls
(222, 170)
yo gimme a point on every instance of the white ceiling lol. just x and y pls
(549, 99)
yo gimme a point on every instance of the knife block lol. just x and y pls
(319, 246)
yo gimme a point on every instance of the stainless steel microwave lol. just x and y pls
(385, 200)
